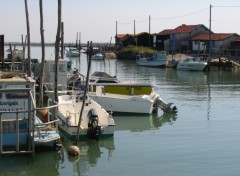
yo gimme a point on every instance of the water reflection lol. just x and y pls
(166, 118)
(90, 152)
(142, 123)
(43, 163)
(193, 78)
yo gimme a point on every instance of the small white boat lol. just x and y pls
(158, 59)
(97, 56)
(95, 121)
(72, 52)
(192, 64)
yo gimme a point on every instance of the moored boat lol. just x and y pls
(94, 123)
(192, 64)
(97, 56)
(158, 59)
(73, 52)
(126, 97)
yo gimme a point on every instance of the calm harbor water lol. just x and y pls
(203, 138)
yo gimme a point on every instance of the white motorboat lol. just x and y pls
(158, 59)
(95, 121)
(192, 64)
(73, 52)
(97, 56)
(131, 103)
(126, 97)
(21, 130)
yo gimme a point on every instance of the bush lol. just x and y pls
(138, 49)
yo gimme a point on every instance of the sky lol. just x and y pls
(98, 20)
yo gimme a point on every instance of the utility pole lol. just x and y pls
(134, 35)
(210, 32)
(116, 28)
(116, 36)
(149, 42)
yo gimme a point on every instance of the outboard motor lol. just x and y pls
(166, 107)
(94, 131)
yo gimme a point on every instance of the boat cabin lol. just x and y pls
(16, 104)
(49, 73)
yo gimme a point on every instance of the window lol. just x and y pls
(22, 94)
(52, 68)
(61, 68)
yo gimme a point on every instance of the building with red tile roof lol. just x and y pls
(218, 42)
(178, 39)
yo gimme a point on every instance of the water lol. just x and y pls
(201, 139)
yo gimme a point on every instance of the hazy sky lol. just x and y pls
(96, 19)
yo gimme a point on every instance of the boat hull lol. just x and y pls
(116, 103)
(71, 131)
(194, 64)
(158, 59)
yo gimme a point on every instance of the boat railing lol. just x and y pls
(17, 129)
(69, 115)
(50, 86)
(24, 122)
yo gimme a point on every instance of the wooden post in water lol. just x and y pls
(24, 49)
(62, 40)
(43, 54)
(76, 41)
(57, 50)
(89, 56)
(28, 40)
(2, 49)
(79, 42)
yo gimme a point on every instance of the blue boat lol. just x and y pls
(21, 131)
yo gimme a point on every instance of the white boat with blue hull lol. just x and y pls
(21, 131)
(158, 59)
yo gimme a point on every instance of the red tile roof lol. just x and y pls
(238, 39)
(180, 29)
(185, 28)
(120, 36)
(217, 37)
(165, 32)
